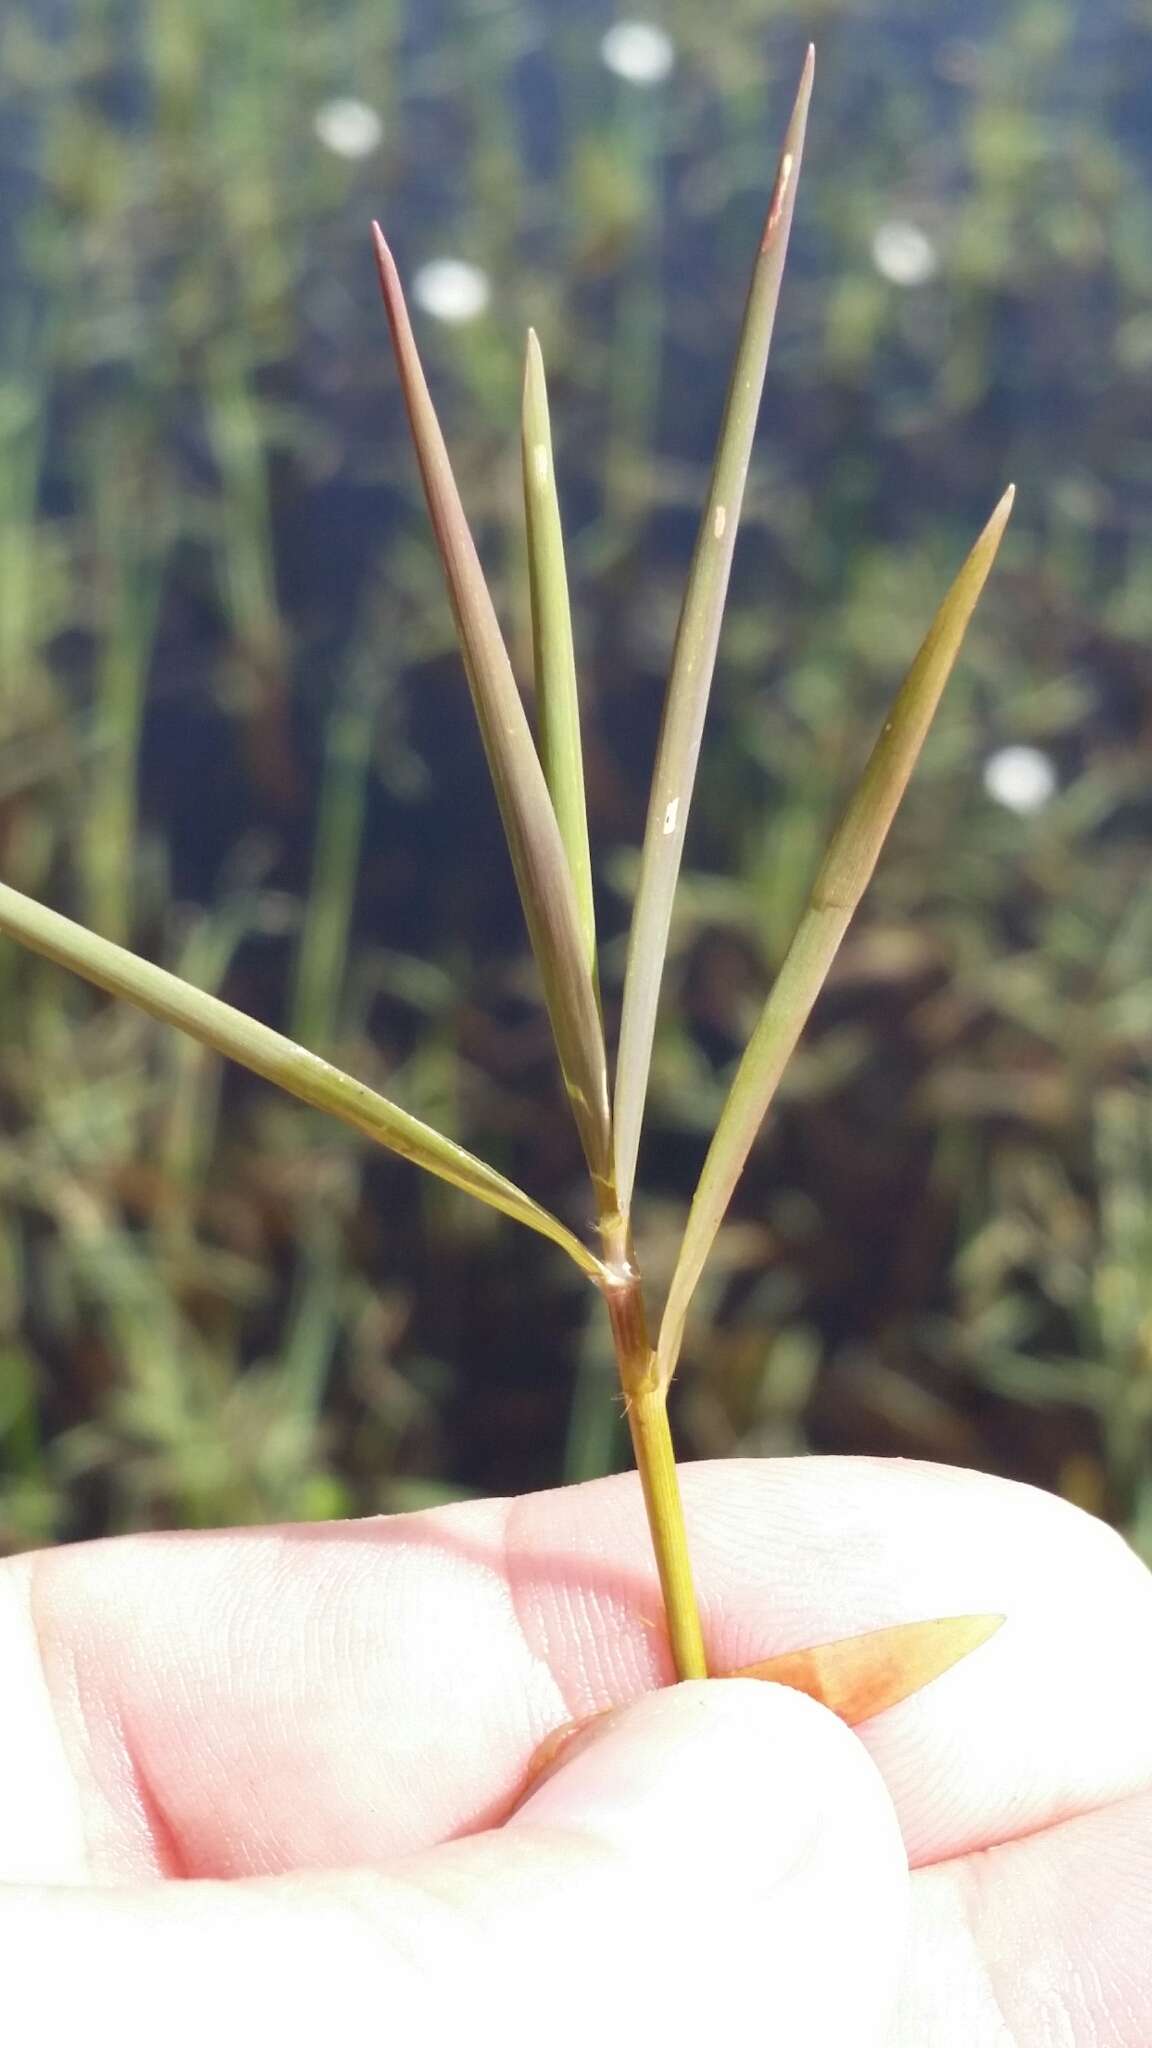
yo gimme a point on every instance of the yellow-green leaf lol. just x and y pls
(693, 661)
(843, 877)
(275, 1058)
(557, 703)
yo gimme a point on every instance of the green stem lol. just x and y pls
(647, 1409)
(656, 1462)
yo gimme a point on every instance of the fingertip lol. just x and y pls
(752, 1820)
(733, 1755)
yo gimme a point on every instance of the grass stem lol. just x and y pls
(647, 1409)
(656, 1464)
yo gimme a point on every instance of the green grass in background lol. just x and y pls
(234, 734)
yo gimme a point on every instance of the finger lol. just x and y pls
(270, 1700)
(681, 1875)
(1045, 1939)
(1048, 1719)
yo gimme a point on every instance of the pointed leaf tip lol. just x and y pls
(840, 882)
(859, 1676)
(784, 190)
(694, 657)
(998, 519)
(386, 270)
(537, 850)
(533, 361)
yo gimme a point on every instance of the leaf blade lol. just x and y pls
(859, 1676)
(693, 660)
(534, 842)
(275, 1058)
(557, 700)
(841, 881)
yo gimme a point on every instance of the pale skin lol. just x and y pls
(322, 1731)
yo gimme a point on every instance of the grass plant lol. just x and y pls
(539, 789)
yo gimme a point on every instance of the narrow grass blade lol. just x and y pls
(276, 1059)
(693, 660)
(838, 887)
(557, 703)
(534, 841)
(859, 1676)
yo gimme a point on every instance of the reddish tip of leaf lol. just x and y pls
(783, 191)
(860, 1676)
(385, 261)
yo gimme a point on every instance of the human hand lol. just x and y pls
(325, 1728)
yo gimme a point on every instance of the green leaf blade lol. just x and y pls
(844, 875)
(534, 842)
(275, 1058)
(694, 657)
(557, 699)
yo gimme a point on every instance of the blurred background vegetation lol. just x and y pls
(234, 733)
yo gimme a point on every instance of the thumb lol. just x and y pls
(720, 1854)
(717, 1857)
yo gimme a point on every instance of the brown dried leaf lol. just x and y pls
(860, 1676)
